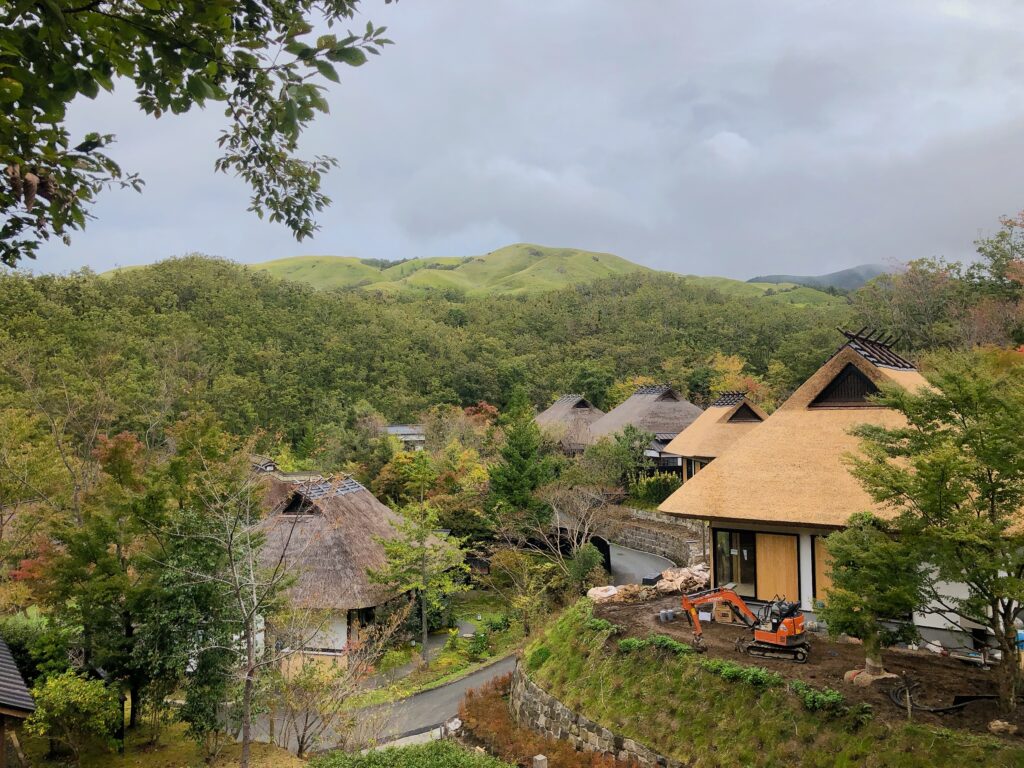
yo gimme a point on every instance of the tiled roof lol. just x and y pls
(728, 399)
(13, 692)
(568, 399)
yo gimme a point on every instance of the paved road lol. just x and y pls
(629, 566)
(434, 707)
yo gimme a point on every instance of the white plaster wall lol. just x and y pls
(333, 635)
(806, 571)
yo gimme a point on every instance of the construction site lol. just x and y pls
(945, 691)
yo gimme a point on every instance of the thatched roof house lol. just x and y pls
(328, 532)
(568, 420)
(724, 422)
(657, 409)
(774, 493)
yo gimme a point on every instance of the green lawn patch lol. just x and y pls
(436, 754)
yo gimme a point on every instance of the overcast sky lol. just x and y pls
(721, 137)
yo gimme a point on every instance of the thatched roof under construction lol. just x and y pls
(724, 422)
(568, 419)
(656, 409)
(328, 532)
(790, 469)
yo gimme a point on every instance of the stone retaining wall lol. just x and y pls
(532, 707)
(666, 535)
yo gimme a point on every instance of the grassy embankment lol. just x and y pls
(668, 702)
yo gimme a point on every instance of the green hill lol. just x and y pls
(521, 268)
(515, 269)
(845, 279)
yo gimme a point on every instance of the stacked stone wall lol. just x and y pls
(534, 708)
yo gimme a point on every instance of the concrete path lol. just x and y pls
(629, 566)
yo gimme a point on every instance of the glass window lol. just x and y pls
(736, 561)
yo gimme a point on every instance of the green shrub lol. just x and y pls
(436, 754)
(631, 644)
(665, 643)
(815, 700)
(655, 488)
(603, 625)
(74, 711)
(498, 624)
(582, 567)
(757, 677)
(537, 657)
(478, 646)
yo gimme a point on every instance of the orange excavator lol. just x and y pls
(778, 628)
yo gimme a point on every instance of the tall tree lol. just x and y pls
(423, 560)
(954, 476)
(257, 57)
(876, 583)
(523, 466)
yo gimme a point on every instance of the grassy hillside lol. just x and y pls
(515, 269)
(521, 268)
(674, 706)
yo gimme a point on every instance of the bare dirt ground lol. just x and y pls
(941, 678)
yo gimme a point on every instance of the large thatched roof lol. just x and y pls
(656, 409)
(790, 468)
(726, 420)
(328, 531)
(568, 419)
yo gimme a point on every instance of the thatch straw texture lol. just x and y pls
(790, 469)
(660, 410)
(332, 547)
(713, 431)
(568, 420)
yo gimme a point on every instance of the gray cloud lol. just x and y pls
(716, 138)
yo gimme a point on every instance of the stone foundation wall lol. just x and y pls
(666, 535)
(534, 708)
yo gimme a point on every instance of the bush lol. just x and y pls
(660, 642)
(603, 625)
(537, 657)
(814, 700)
(436, 754)
(498, 624)
(74, 711)
(655, 488)
(757, 677)
(582, 567)
(39, 647)
(631, 644)
(478, 646)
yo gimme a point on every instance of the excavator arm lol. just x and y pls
(691, 603)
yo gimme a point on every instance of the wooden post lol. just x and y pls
(3, 741)
(539, 761)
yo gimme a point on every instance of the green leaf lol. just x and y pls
(10, 89)
(150, 5)
(327, 70)
(354, 57)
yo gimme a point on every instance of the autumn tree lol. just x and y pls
(258, 59)
(953, 476)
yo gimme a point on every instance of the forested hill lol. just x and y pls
(147, 344)
(845, 279)
(514, 269)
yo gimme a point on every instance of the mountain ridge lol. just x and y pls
(844, 279)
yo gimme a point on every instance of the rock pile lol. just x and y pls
(676, 580)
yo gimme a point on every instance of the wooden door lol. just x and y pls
(778, 566)
(822, 566)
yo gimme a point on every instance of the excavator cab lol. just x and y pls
(777, 611)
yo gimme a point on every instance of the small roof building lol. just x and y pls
(724, 422)
(772, 496)
(328, 532)
(568, 420)
(657, 409)
(412, 436)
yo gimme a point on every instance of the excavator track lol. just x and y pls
(797, 653)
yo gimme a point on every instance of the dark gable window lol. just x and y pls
(744, 413)
(851, 388)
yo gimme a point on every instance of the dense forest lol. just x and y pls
(276, 355)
